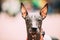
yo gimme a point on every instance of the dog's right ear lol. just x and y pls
(23, 10)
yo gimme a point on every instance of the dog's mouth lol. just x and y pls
(34, 32)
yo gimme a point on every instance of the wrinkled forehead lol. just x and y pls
(34, 15)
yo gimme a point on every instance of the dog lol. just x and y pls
(34, 21)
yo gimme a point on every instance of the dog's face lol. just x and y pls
(34, 20)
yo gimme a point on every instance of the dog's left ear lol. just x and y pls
(23, 10)
(44, 11)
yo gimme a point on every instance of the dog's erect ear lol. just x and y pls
(23, 10)
(44, 11)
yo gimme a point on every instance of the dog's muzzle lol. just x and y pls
(34, 29)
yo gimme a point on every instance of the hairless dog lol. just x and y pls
(34, 22)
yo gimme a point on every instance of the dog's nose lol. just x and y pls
(34, 29)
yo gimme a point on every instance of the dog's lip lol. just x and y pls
(33, 31)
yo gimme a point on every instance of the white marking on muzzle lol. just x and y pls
(34, 24)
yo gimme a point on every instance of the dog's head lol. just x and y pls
(34, 20)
